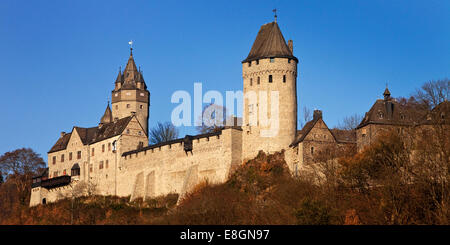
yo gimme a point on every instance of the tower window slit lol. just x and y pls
(270, 78)
(284, 78)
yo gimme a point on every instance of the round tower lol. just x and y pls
(130, 95)
(270, 93)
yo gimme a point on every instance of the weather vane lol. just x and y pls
(275, 12)
(131, 44)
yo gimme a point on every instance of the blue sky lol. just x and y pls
(59, 59)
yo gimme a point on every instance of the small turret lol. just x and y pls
(107, 116)
(387, 94)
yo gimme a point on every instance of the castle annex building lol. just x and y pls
(114, 158)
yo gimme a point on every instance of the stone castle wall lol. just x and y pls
(150, 172)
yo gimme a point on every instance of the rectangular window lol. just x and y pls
(258, 80)
(128, 105)
(70, 156)
(270, 78)
(251, 81)
(101, 165)
(103, 148)
(54, 160)
(284, 78)
(79, 155)
(92, 152)
(109, 146)
(90, 168)
(257, 62)
(249, 63)
(62, 158)
(106, 164)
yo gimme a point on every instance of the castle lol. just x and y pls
(114, 158)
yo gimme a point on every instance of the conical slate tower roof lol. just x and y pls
(269, 43)
(107, 116)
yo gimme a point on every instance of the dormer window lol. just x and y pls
(380, 115)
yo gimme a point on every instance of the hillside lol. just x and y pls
(370, 187)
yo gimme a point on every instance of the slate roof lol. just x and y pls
(107, 116)
(61, 143)
(94, 134)
(130, 75)
(269, 43)
(390, 112)
(344, 136)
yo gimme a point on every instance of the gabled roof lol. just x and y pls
(301, 135)
(94, 134)
(61, 143)
(269, 43)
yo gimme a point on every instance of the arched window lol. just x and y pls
(270, 78)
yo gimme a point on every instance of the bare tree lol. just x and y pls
(307, 116)
(19, 166)
(350, 122)
(433, 92)
(163, 132)
(213, 118)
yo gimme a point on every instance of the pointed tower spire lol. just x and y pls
(119, 76)
(270, 43)
(107, 116)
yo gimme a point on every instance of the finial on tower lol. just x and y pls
(387, 93)
(275, 12)
(131, 46)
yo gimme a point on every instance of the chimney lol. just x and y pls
(63, 133)
(291, 46)
(317, 114)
